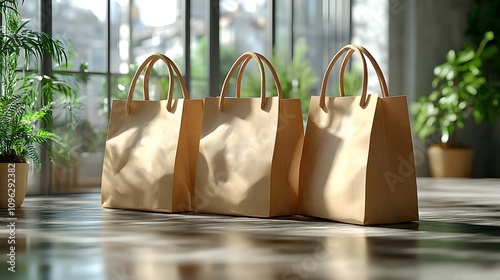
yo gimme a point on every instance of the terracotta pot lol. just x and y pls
(450, 161)
(13, 176)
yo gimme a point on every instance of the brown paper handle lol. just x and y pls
(271, 69)
(150, 61)
(136, 77)
(329, 68)
(171, 65)
(380, 75)
(245, 58)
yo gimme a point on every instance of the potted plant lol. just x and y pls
(460, 91)
(25, 110)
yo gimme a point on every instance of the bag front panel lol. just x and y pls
(139, 157)
(335, 157)
(236, 152)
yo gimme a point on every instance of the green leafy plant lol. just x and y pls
(459, 91)
(27, 100)
(483, 17)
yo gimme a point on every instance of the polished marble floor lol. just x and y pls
(71, 237)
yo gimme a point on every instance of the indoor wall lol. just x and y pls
(420, 34)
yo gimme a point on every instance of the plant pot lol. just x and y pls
(13, 182)
(450, 161)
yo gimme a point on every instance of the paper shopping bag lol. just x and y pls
(249, 151)
(152, 148)
(357, 161)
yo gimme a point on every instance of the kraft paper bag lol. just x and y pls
(357, 161)
(250, 151)
(152, 148)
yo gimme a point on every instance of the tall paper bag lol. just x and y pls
(357, 161)
(152, 148)
(249, 151)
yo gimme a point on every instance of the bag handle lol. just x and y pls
(244, 59)
(271, 69)
(329, 68)
(380, 75)
(170, 94)
(150, 61)
(136, 77)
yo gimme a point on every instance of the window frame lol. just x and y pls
(213, 53)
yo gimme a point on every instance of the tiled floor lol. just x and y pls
(71, 237)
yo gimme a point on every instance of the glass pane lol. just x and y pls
(322, 28)
(244, 26)
(78, 164)
(119, 34)
(158, 85)
(199, 61)
(283, 22)
(156, 27)
(140, 30)
(29, 10)
(81, 25)
(309, 30)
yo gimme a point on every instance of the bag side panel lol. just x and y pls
(334, 159)
(286, 160)
(401, 174)
(187, 155)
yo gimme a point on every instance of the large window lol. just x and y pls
(105, 41)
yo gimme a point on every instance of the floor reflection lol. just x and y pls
(175, 255)
(72, 237)
(219, 253)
